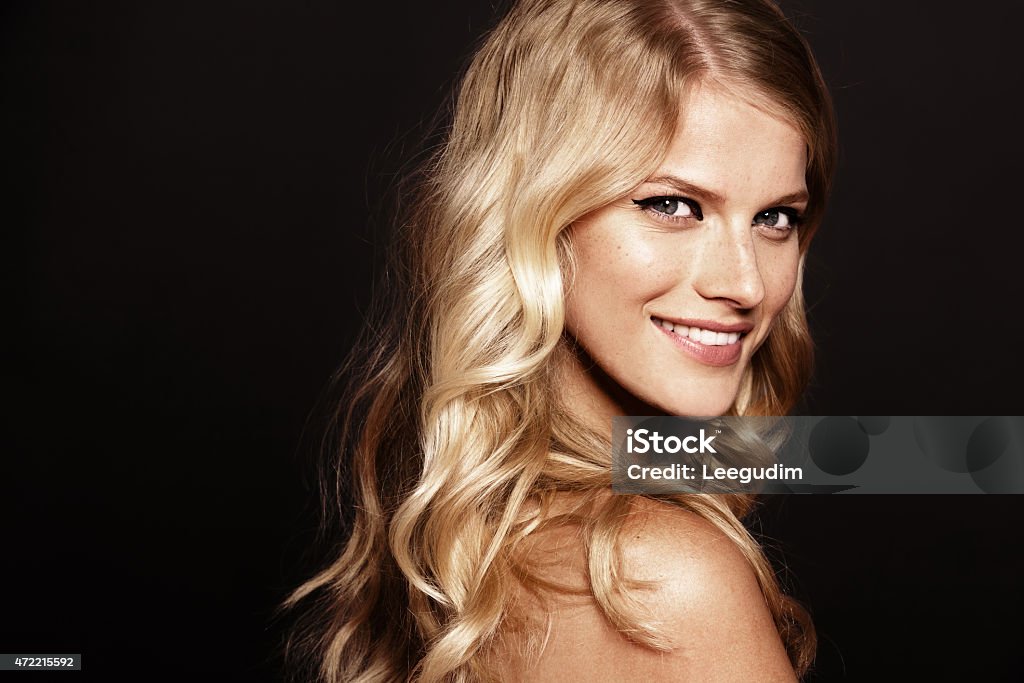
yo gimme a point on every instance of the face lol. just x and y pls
(677, 284)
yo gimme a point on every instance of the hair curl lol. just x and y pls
(450, 444)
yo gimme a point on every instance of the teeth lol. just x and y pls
(708, 337)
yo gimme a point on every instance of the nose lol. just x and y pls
(727, 267)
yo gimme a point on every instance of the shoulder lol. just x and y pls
(698, 588)
(691, 563)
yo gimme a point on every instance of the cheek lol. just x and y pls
(612, 276)
(780, 279)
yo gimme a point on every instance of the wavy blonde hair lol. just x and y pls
(450, 444)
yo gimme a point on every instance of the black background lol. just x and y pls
(188, 249)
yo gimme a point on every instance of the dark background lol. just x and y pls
(187, 251)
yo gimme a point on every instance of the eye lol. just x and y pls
(671, 207)
(779, 218)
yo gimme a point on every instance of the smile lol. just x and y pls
(721, 347)
(698, 334)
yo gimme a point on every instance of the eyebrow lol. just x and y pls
(689, 189)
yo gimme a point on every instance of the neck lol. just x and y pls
(589, 393)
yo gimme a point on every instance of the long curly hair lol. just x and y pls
(450, 444)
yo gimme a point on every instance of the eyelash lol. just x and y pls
(792, 214)
(649, 203)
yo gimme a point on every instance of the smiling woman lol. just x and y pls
(616, 224)
(692, 273)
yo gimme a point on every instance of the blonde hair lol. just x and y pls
(450, 445)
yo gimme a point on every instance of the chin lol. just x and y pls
(695, 406)
(702, 410)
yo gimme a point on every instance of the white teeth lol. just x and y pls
(708, 337)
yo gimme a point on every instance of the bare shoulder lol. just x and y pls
(700, 589)
(693, 566)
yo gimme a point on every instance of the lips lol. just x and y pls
(709, 342)
(706, 332)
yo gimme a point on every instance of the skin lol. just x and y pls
(702, 594)
(735, 265)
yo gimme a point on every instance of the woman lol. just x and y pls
(616, 224)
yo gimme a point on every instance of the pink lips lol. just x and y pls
(715, 356)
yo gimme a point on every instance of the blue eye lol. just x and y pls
(671, 207)
(779, 218)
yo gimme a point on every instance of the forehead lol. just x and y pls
(725, 144)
